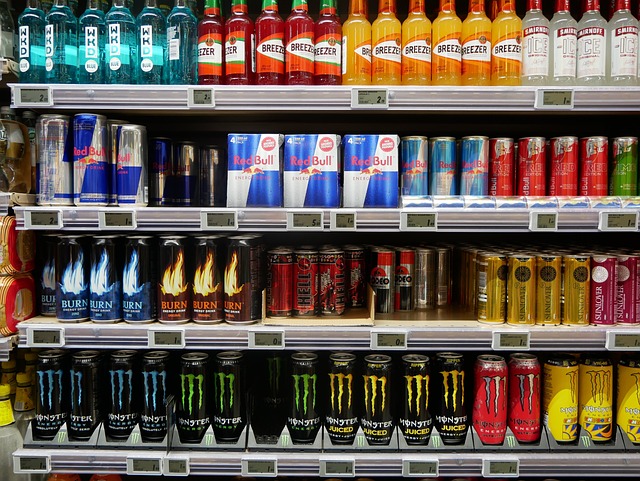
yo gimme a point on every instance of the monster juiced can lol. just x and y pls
(208, 284)
(229, 414)
(52, 399)
(548, 289)
(595, 398)
(72, 280)
(628, 396)
(173, 284)
(491, 287)
(86, 409)
(521, 302)
(105, 285)
(377, 418)
(623, 180)
(524, 397)
(560, 397)
(449, 408)
(490, 400)
(576, 287)
(192, 409)
(415, 421)
(122, 411)
(153, 413)
(341, 420)
(138, 280)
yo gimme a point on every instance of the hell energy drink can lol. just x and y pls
(341, 421)
(354, 257)
(627, 289)
(474, 166)
(628, 396)
(449, 408)
(548, 289)
(280, 282)
(131, 176)
(501, 166)
(596, 397)
(138, 280)
(86, 410)
(305, 282)
(490, 400)
(160, 171)
(72, 279)
(243, 280)
(593, 168)
(122, 408)
(603, 289)
(425, 278)
(185, 175)
(52, 396)
(563, 180)
(105, 284)
(524, 397)
(560, 397)
(377, 416)
(492, 274)
(208, 292)
(113, 139)
(623, 180)
(303, 420)
(174, 293)
(332, 282)
(90, 163)
(153, 409)
(415, 421)
(229, 414)
(211, 187)
(576, 289)
(192, 408)
(47, 277)
(404, 286)
(383, 262)
(55, 160)
(414, 161)
(443, 166)
(443, 277)
(521, 289)
(532, 162)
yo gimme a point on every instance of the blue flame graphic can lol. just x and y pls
(55, 161)
(105, 286)
(444, 166)
(47, 276)
(185, 174)
(91, 174)
(414, 162)
(160, 167)
(474, 166)
(72, 279)
(138, 280)
(132, 183)
(113, 138)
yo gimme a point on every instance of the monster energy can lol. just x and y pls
(415, 419)
(449, 405)
(595, 397)
(153, 415)
(86, 412)
(377, 418)
(490, 398)
(192, 417)
(52, 402)
(303, 421)
(341, 420)
(123, 410)
(560, 397)
(229, 418)
(628, 398)
(269, 407)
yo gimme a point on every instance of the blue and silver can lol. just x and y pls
(414, 165)
(132, 165)
(47, 262)
(138, 280)
(55, 161)
(72, 279)
(444, 166)
(91, 173)
(474, 168)
(160, 167)
(185, 175)
(113, 137)
(105, 286)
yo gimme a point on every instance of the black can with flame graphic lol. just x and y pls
(377, 417)
(174, 294)
(243, 281)
(208, 295)
(415, 420)
(341, 419)
(449, 407)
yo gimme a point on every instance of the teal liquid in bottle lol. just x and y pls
(31, 24)
(182, 42)
(120, 47)
(61, 44)
(151, 33)
(92, 27)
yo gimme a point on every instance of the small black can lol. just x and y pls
(153, 415)
(303, 420)
(86, 409)
(449, 407)
(229, 414)
(123, 409)
(377, 419)
(52, 394)
(192, 412)
(415, 420)
(341, 419)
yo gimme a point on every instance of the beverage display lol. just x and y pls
(151, 53)
(622, 46)
(525, 381)
(31, 55)
(304, 420)
(239, 42)
(563, 44)
(120, 49)
(446, 55)
(182, 42)
(299, 45)
(377, 418)
(415, 422)
(341, 420)
(592, 55)
(490, 405)
(356, 45)
(449, 409)
(210, 45)
(506, 57)
(535, 45)
(270, 47)
(92, 37)
(416, 46)
(386, 40)
(61, 44)
(193, 403)
(229, 408)
(476, 46)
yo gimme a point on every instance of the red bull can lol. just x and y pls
(91, 176)
(414, 158)
(564, 166)
(532, 160)
(593, 168)
(623, 180)
(132, 166)
(444, 166)
(474, 166)
(603, 289)
(55, 162)
(627, 289)
(501, 166)
(160, 167)
(185, 164)
(490, 400)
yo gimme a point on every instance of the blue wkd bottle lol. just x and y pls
(61, 44)
(151, 32)
(31, 23)
(182, 41)
(92, 26)
(120, 49)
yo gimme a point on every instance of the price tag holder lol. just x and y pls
(508, 340)
(262, 467)
(266, 339)
(618, 221)
(389, 340)
(32, 464)
(201, 98)
(342, 220)
(219, 219)
(418, 221)
(554, 99)
(369, 98)
(305, 220)
(33, 97)
(43, 219)
(117, 220)
(144, 466)
(176, 467)
(623, 340)
(424, 468)
(166, 338)
(45, 337)
(500, 468)
(543, 221)
(338, 467)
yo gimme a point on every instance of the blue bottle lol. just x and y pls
(31, 25)
(61, 44)
(151, 32)
(91, 42)
(120, 48)
(182, 41)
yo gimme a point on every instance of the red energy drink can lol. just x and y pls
(501, 166)
(354, 258)
(490, 403)
(564, 166)
(305, 282)
(593, 168)
(332, 282)
(382, 278)
(524, 397)
(405, 272)
(532, 163)
(280, 282)
(603, 289)
(627, 289)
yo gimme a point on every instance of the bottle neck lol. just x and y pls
(507, 6)
(448, 6)
(358, 7)
(623, 5)
(6, 412)
(60, 3)
(120, 3)
(179, 3)
(387, 6)
(34, 4)
(93, 5)
(212, 8)
(270, 6)
(591, 5)
(151, 3)
(476, 6)
(328, 8)
(416, 6)
(562, 6)
(239, 7)
(300, 6)
(534, 5)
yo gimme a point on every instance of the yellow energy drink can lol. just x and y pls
(628, 396)
(521, 289)
(576, 281)
(595, 384)
(560, 397)
(491, 286)
(548, 289)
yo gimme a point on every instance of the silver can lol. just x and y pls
(211, 178)
(113, 138)
(132, 182)
(425, 278)
(55, 161)
(443, 276)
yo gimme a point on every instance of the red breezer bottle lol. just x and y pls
(298, 35)
(328, 49)
(210, 32)
(239, 43)
(269, 45)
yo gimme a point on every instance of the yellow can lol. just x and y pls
(595, 384)
(521, 290)
(548, 289)
(560, 397)
(628, 396)
(576, 281)
(491, 282)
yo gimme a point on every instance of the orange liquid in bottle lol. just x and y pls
(476, 46)
(446, 57)
(416, 46)
(356, 45)
(386, 37)
(506, 58)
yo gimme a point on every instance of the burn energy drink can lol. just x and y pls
(341, 420)
(192, 407)
(414, 162)
(243, 280)
(174, 292)
(377, 416)
(91, 176)
(229, 413)
(415, 421)
(449, 409)
(153, 413)
(560, 397)
(86, 380)
(122, 407)
(524, 397)
(490, 398)
(138, 280)
(72, 279)
(105, 284)
(596, 397)
(303, 421)
(47, 276)
(208, 294)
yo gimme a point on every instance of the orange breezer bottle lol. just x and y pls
(476, 46)
(269, 32)
(506, 57)
(386, 37)
(299, 50)
(416, 46)
(356, 45)
(446, 56)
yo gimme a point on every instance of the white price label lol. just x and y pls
(260, 467)
(498, 468)
(623, 341)
(554, 99)
(384, 340)
(343, 220)
(420, 467)
(167, 338)
(43, 219)
(45, 337)
(511, 340)
(618, 221)
(219, 220)
(117, 220)
(144, 466)
(32, 464)
(176, 467)
(34, 97)
(369, 98)
(307, 220)
(543, 221)
(420, 221)
(266, 339)
(201, 98)
(337, 467)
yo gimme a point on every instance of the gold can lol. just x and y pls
(521, 290)
(628, 396)
(576, 289)
(548, 289)
(560, 397)
(491, 281)
(595, 397)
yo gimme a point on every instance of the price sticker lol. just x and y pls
(511, 340)
(266, 339)
(305, 220)
(201, 98)
(422, 221)
(32, 464)
(144, 466)
(176, 467)
(168, 338)
(622, 341)
(43, 219)
(388, 340)
(420, 467)
(34, 97)
(117, 220)
(337, 467)
(498, 468)
(260, 467)
(554, 99)
(369, 98)
(543, 221)
(49, 337)
(219, 220)
(341, 220)
(618, 221)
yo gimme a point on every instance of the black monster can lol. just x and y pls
(123, 408)
(449, 407)
(153, 415)
(86, 412)
(303, 420)
(377, 418)
(52, 401)
(229, 416)
(269, 411)
(192, 413)
(415, 420)
(341, 420)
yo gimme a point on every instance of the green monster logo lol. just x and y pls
(340, 378)
(422, 386)
(371, 383)
(191, 382)
(457, 379)
(307, 381)
(221, 379)
(274, 365)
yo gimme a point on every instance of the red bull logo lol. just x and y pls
(372, 161)
(415, 167)
(90, 151)
(310, 161)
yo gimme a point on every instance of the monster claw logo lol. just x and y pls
(308, 397)
(221, 380)
(488, 382)
(189, 390)
(150, 391)
(572, 384)
(340, 378)
(637, 378)
(47, 393)
(526, 391)
(422, 387)
(76, 375)
(371, 384)
(119, 375)
(600, 385)
(457, 381)
(274, 365)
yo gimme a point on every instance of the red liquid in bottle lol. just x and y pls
(298, 33)
(269, 30)
(239, 42)
(328, 45)
(210, 55)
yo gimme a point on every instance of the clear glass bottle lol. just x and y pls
(151, 32)
(61, 44)
(120, 49)
(7, 32)
(563, 38)
(535, 45)
(91, 41)
(31, 24)
(182, 41)
(592, 52)
(622, 46)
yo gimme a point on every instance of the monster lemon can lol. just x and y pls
(341, 420)
(628, 396)
(595, 398)
(303, 420)
(560, 397)
(192, 416)
(415, 420)
(449, 400)
(377, 419)
(229, 417)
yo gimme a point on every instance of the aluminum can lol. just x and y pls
(341, 420)
(594, 169)
(414, 162)
(521, 289)
(243, 280)
(91, 176)
(86, 410)
(425, 278)
(377, 417)
(55, 160)
(383, 262)
(474, 166)
(52, 396)
(563, 180)
(113, 141)
(560, 397)
(576, 289)
(467, 287)
(212, 178)
(443, 166)
(122, 408)
(501, 166)
(185, 174)
(532, 160)
(627, 289)
(269, 413)
(192, 407)
(131, 176)
(492, 272)
(305, 282)
(105, 282)
(548, 289)
(280, 282)
(450, 412)
(332, 282)
(595, 381)
(208, 292)
(139, 280)
(415, 420)
(160, 171)
(354, 257)
(443, 277)
(524, 397)
(623, 180)
(47, 275)
(72, 279)
(153, 413)
(229, 410)
(174, 288)
(303, 421)
(628, 396)
(404, 275)
(604, 285)
(490, 398)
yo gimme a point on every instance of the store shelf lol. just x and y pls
(6, 346)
